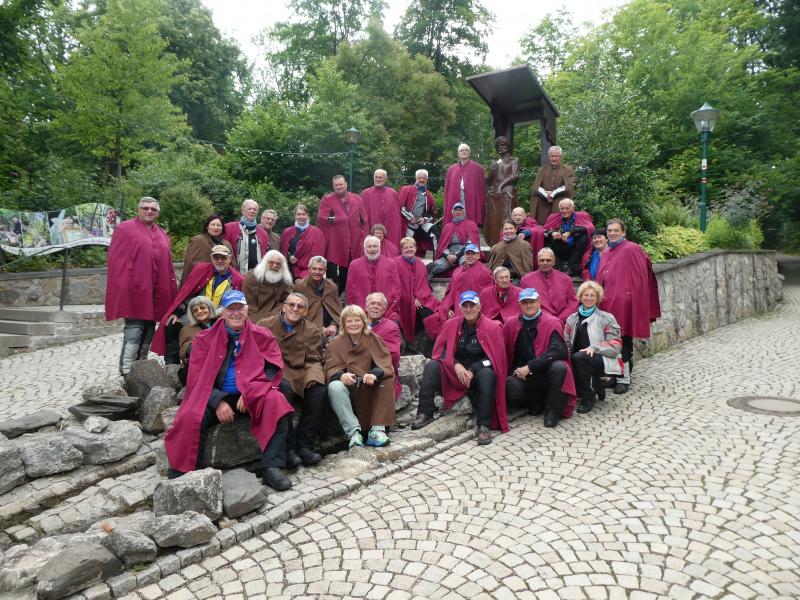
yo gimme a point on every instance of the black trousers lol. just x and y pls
(337, 274)
(313, 399)
(540, 389)
(480, 392)
(570, 254)
(172, 346)
(627, 350)
(587, 370)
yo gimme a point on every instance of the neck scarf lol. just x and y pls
(421, 188)
(534, 317)
(409, 259)
(249, 225)
(458, 220)
(586, 312)
(615, 244)
(301, 227)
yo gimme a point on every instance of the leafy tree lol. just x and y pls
(546, 46)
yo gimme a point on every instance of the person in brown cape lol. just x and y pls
(199, 248)
(303, 378)
(324, 301)
(511, 252)
(201, 315)
(358, 368)
(501, 196)
(268, 219)
(267, 286)
(553, 181)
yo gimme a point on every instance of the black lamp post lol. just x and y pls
(704, 119)
(353, 137)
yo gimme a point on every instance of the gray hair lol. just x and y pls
(421, 172)
(371, 237)
(269, 210)
(197, 301)
(569, 202)
(546, 251)
(381, 171)
(148, 200)
(463, 146)
(380, 296)
(318, 259)
(555, 149)
(499, 270)
(300, 295)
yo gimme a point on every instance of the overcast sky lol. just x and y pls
(243, 19)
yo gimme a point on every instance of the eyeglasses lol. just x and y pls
(148, 208)
(219, 256)
(295, 305)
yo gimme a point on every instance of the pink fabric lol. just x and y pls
(582, 219)
(536, 240)
(265, 404)
(467, 232)
(631, 288)
(141, 278)
(344, 239)
(389, 332)
(413, 286)
(407, 197)
(233, 232)
(382, 206)
(556, 292)
(465, 278)
(544, 330)
(474, 190)
(311, 244)
(365, 277)
(491, 307)
(490, 337)
(197, 280)
(388, 249)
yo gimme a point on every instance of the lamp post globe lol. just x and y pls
(705, 119)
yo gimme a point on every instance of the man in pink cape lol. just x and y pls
(388, 331)
(556, 292)
(343, 223)
(141, 280)
(374, 273)
(465, 182)
(454, 238)
(469, 358)
(382, 206)
(538, 362)
(528, 229)
(631, 292)
(250, 242)
(235, 367)
(416, 297)
(568, 232)
(500, 301)
(419, 212)
(301, 242)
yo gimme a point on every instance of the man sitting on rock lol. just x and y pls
(501, 300)
(555, 289)
(374, 273)
(324, 301)
(454, 238)
(235, 368)
(568, 233)
(304, 379)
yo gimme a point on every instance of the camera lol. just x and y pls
(359, 381)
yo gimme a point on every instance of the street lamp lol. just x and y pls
(704, 119)
(353, 137)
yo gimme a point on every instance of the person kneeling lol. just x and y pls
(466, 357)
(235, 368)
(358, 368)
(537, 358)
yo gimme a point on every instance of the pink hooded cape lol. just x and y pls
(467, 232)
(345, 238)
(631, 288)
(544, 330)
(474, 190)
(233, 232)
(407, 198)
(365, 277)
(194, 285)
(141, 278)
(389, 332)
(465, 278)
(490, 336)
(382, 206)
(388, 249)
(413, 285)
(582, 219)
(491, 307)
(311, 244)
(265, 404)
(556, 292)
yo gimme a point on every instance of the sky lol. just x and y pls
(243, 19)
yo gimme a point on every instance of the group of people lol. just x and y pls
(259, 327)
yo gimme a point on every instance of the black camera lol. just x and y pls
(359, 381)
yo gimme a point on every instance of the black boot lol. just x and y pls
(275, 478)
(551, 417)
(586, 406)
(292, 460)
(308, 457)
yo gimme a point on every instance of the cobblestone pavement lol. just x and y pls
(664, 492)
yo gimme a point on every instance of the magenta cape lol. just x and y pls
(407, 198)
(382, 206)
(582, 219)
(233, 232)
(345, 238)
(141, 278)
(465, 278)
(556, 292)
(311, 244)
(413, 285)
(388, 249)
(490, 336)
(389, 332)
(365, 277)
(265, 404)
(194, 285)
(474, 190)
(467, 231)
(491, 307)
(631, 288)
(544, 330)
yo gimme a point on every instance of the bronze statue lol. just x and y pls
(501, 196)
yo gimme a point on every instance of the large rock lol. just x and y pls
(131, 547)
(185, 530)
(198, 491)
(47, 453)
(144, 376)
(76, 568)
(231, 444)
(116, 441)
(111, 387)
(404, 399)
(12, 473)
(242, 493)
(115, 408)
(139, 521)
(29, 423)
(151, 407)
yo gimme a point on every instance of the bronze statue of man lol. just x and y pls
(501, 196)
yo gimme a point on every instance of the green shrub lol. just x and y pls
(721, 234)
(673, 213)
(184, 210)
(674, 241)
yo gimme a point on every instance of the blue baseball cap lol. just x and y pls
(457, 205)
(471, 248)
(468, 296)
(233, 297)
(528, 294)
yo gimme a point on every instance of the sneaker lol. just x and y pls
(377, 438)
(484, 435)
(355, 440)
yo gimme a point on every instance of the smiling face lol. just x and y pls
(221, 262)
(372, 248)
(215, 228)
(471, 311)
(615, 232)
(375, 308)
(316, 271)
(378, 233)
(409, 249)
(518, 215)
(421, 179)
(379, 179)
(566, 209)
(509, 231)
(268, 220)
(294, 309)
(471, 257)
(275, 265)
(458, 213)
(301, 216)
(600, 242)
(589, 297)
(235, 316)
(529, 307)
(353, 325)
(201, 313)
(250, 210)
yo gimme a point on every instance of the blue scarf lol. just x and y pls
(458, 220)
(586, 312)
(409, 260)
(301, 227)
(421, 188)
(615, 244)
(249, 225)
(534, 317)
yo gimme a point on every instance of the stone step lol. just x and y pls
(51, 314)
(27, 327)
(13, 340)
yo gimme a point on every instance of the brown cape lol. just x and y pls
(518, 253)
(550, 179)
(301, 350)
(263, 299)
(330, 300)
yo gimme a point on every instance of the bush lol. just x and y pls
(721, 234)
(674, 241)
(673, 213)
(184, 210)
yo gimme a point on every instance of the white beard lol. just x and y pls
(273, 277)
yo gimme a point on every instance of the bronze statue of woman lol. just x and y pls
(501, 196)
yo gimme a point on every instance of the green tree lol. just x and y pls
(545, 47)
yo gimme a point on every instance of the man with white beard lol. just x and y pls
(267, 286)
(374, 273)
